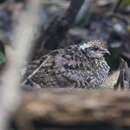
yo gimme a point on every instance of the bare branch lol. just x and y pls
(23, 37)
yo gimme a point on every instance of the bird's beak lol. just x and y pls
(105, 51)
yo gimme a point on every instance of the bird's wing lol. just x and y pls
(78, 71)
(40, 70)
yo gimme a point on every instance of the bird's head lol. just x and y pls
(94, 49)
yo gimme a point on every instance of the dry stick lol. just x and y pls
(24, 33)
(35, 71)
(124, 76)
(117, 6)
(121, 75)
(58, 29)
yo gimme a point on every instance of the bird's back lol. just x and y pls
(67, 67)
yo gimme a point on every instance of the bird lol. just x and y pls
(80, 66)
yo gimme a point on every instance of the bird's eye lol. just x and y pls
(95, 49)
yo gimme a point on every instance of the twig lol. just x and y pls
(58, 28)
(124, 76)
(35, 71)
(117, 6)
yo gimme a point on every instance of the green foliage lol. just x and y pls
(126, 2)
(2, 58)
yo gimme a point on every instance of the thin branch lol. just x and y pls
(35, 71)
(23, 37)
(118, 3)
(58, 29)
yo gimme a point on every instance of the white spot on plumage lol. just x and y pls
(84, 46)
(89, 44)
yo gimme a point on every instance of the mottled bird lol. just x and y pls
(81, 65)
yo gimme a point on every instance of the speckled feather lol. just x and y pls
(67, 67)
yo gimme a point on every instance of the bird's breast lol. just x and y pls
(102, 70)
